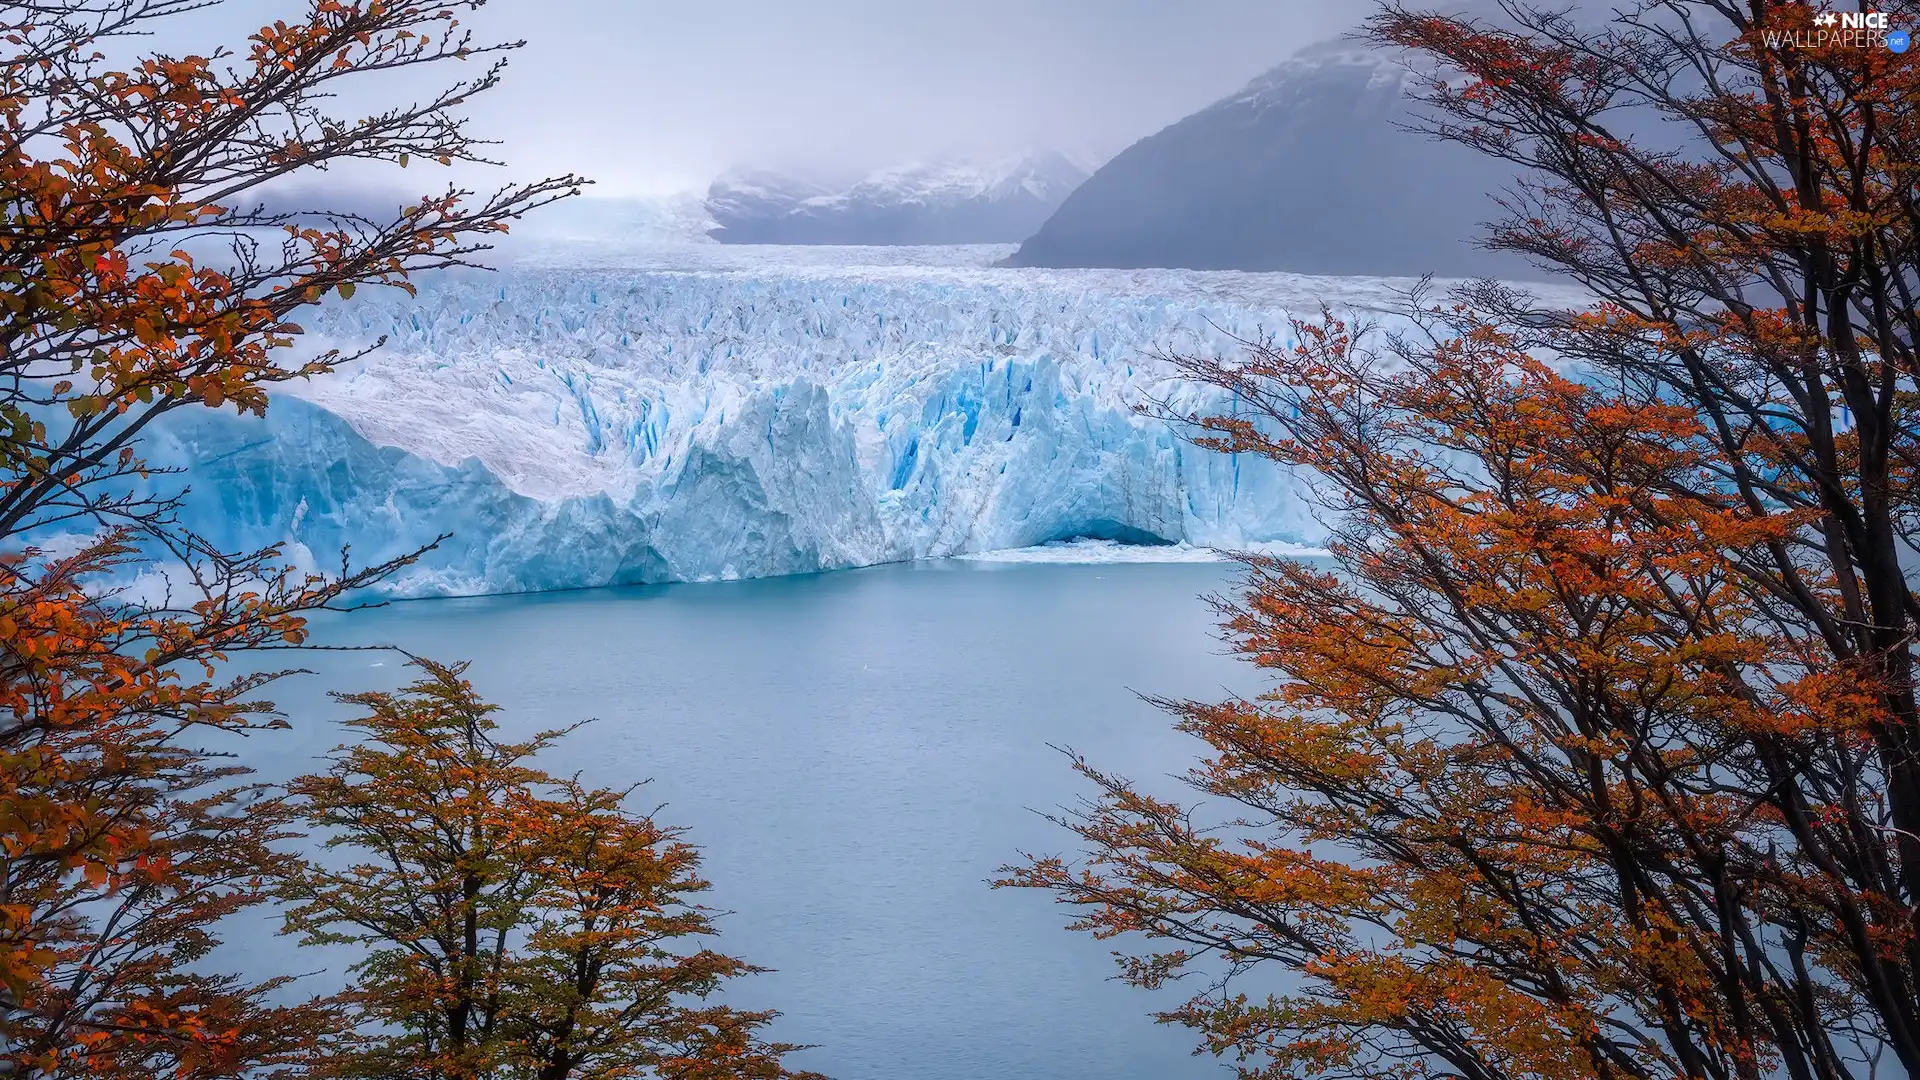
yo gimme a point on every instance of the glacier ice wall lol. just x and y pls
(572, 426)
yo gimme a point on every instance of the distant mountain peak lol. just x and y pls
(1335, 59)
(945, 199)
(1043, 176)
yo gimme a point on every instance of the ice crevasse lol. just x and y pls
(570, 427)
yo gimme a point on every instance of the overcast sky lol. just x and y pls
(647, 96)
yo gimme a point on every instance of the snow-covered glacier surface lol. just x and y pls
(675, 414)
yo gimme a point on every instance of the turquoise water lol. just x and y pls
(856, 753)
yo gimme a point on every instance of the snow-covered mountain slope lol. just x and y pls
(768, 412)
(742, 197)
(1308, 168)
(945, 201)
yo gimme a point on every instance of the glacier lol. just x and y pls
(588, 416)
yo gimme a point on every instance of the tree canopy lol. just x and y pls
(143, 272)
(1594, 753)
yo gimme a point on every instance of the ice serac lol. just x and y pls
(571, 426)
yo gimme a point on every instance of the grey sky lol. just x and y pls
(655, 95)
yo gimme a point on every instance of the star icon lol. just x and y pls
(1825, 18)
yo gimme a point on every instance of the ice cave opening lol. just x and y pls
(1114, 531)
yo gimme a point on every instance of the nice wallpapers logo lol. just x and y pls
(1844, 29)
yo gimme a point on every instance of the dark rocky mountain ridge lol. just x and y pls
(1307, 169)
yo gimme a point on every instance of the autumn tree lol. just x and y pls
(515, 924)
(140, 274)
(1596, 753)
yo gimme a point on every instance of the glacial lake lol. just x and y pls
(856, 753)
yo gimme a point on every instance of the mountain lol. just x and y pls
(1303, 170)
(945, 201)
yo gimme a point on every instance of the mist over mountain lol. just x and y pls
(945, 201)
(1303, 170)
